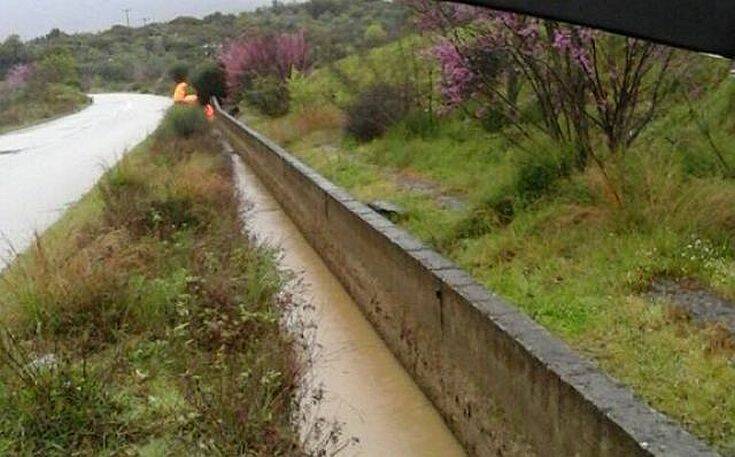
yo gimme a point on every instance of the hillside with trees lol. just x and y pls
(37, 90)
(138, 59)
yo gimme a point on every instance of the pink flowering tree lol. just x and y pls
(263, 56)
(19, 75)
(582, 82)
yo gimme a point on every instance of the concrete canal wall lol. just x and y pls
(503, 384)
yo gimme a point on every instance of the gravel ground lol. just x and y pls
(702, 305)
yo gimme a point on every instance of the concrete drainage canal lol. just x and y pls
(366, 389)
(435, 350)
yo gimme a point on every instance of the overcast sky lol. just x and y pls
(32, 18)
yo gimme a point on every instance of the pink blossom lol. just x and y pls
(562, 40)
(492, 57)
(463, 13)
(262, 55)
(572, 42)
(457, 77)
(432, 15)
(291, 52)
(19, 75)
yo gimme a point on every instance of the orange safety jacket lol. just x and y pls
(180, 95)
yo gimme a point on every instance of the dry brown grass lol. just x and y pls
(304, 122)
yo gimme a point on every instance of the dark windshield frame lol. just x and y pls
(699, 25)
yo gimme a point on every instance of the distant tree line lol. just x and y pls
(123, 58)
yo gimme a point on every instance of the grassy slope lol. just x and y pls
(569, 259)
(163, 321)
(27, 107)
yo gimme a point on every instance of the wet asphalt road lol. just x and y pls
(44, 169)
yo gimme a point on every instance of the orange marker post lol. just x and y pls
(209, 112)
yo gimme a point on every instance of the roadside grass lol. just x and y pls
(29, 107)
(559, 249)
(144, 323)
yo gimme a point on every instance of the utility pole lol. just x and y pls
(127, 15)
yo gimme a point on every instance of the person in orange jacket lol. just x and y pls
(181, 92)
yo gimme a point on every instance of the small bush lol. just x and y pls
(94, 310)
(62, 98)
(179, 72)
(421, 123)
(376, 109)
(538, 170)
(375, 34)
(492, 119)
(117, 71)
(316, 8)
(270, 96)
(54, 406)
(168, 215)
(209, 82)
(185, 122)
(496, 211)
(305, 91)
(57, 66)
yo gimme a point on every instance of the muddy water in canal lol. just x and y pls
(365, 387)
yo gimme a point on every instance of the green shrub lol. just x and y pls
(185, 122)
(170, 214)
(179, 72)
(67, 411)
(209, 82)
(537, 170)
(54, 405)
(117, 71)
(375, 109)
(57, 66)
(269, 95)
(492, 119)
(317, 8)
(496, 211)
(421, 123)
(375, 34)
(62, 98)
(308, 90)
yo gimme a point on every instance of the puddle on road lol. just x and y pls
(365, 387)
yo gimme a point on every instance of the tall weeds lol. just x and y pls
(153, 325)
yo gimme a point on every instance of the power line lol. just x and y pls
(127, 11)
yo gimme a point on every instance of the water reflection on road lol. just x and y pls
(45, 168)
